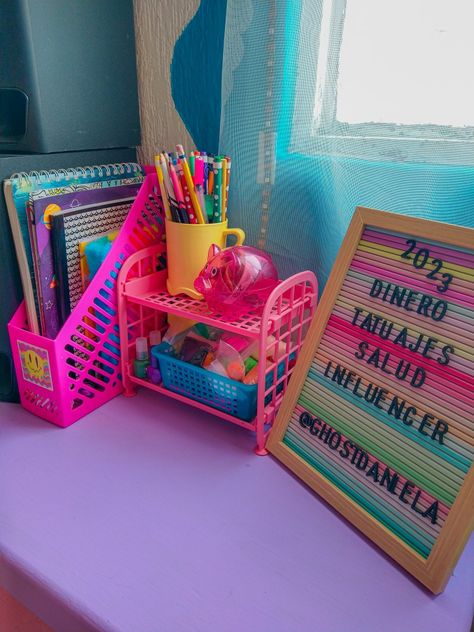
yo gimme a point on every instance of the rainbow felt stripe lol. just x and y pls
(436, 467)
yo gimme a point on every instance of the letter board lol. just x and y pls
(378, 416)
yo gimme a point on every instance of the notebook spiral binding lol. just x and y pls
(100, 171)
(33, 179)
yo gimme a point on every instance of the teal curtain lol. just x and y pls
(293, 198)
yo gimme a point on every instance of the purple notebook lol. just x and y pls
(40, 209)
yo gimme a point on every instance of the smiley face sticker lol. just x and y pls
(35, 365)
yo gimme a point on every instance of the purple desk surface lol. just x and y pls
(150, 516)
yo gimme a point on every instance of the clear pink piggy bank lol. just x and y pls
(236, 280)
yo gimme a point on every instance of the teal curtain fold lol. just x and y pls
(294, 201)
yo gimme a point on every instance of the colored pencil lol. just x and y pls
(195, 188)
(178, 194)
(164, 193)
(174, 209)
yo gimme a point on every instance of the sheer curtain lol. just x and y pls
(332, 104)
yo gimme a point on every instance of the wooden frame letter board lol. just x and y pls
(379, 415)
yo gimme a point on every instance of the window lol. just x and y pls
(392, 79)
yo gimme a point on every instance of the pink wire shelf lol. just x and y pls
(280, 328)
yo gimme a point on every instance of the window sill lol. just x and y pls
(383, 149)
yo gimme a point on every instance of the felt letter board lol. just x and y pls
(378, 418)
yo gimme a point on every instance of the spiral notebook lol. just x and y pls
(17, 189)
(41, 207)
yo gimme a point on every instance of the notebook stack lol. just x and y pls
(63, 224)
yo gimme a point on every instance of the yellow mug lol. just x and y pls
(187, 247)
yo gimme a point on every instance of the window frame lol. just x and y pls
(439, 144)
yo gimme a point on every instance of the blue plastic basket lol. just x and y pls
(234, 398)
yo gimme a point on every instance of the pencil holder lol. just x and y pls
(187, 248)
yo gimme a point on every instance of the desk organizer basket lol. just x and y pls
(217, 391)
(62, 380)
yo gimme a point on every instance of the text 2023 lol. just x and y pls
(421, 257)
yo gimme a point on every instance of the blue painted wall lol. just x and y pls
(196, 71)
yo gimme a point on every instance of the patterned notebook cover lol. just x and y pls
(42, 204)
(69, 228)
(17, 189)
(92, 253)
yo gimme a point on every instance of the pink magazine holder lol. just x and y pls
(62, 380)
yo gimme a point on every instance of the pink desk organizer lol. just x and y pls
(62, 380)
(280, 330)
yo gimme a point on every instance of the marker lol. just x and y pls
(198, 184)
(224, 187)
(186, 195)
(227, 187)
(217, 193)
(206, 170)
